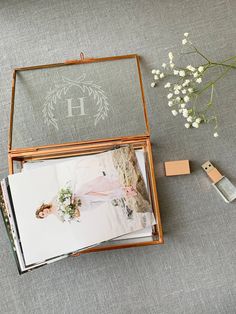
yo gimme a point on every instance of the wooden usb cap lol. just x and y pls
(177, 167)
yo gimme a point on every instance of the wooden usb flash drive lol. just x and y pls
(212, 172)
(177, 167)
(222, 184)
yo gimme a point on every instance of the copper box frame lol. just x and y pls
(89, 147)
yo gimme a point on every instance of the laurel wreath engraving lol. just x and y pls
(62, 88)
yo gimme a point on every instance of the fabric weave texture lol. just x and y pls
(194, 271)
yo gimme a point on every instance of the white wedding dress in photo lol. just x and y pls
(98, 190)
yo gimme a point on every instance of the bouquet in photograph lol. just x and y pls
(68, 205)
(185, 85)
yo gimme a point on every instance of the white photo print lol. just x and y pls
(71, 205)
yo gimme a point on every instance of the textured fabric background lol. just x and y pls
(194, 272)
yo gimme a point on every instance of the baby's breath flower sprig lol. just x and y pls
(188, 84)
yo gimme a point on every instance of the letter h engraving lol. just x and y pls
(80, 107)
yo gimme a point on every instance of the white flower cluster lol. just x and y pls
(181, 93)
(157, 75)
(184, 88)
(185, 40)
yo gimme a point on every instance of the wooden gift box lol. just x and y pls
(82, 107)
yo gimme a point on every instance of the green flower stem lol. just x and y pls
(213, 82)
(222, 64)
(201, 54)
(194, 105)
(226, 60)
(211, 99)
(211, 63)
(212, 92)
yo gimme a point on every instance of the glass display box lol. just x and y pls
(82, 107)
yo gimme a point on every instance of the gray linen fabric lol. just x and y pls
(194, 272)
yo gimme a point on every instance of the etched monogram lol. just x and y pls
(79, 107)
(75, 106)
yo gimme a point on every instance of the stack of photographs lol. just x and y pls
(55, 208)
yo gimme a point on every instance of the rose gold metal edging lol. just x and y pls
(71, 62)
(10, 161)
(117, 247)
(142, 92)
(15, 151)
(76, 153)
(12, 109)
(73, 148)
(154, 191)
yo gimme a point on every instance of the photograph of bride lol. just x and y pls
(120, 191)
(67, 206)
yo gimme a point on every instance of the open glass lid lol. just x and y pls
(84, 100)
